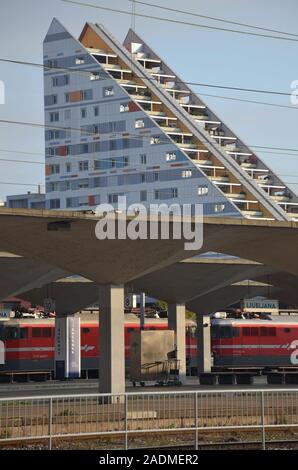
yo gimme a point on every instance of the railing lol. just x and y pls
(62, 416)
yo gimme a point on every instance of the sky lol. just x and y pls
(196, 54)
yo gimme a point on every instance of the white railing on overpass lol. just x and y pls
(68, 416)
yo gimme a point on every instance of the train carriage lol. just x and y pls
(255, 342)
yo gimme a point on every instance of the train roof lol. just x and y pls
(88, 318)
(270, 320)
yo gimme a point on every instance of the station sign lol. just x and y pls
(4, 312)
(260, 305)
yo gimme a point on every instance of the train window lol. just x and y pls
(254, 331)
(225, 332)
(236, 332)
(246, 331)
(36, 332)
(12, 333)
(287, 330)
(214, 331)
(264, 331)
(47, 333)
(129, 330)
(24, 333)
(86, 330)
(271, 332)
(191, 331)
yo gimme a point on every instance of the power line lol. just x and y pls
(144, 77)
(185, 23)
(126, 136)
(191, 13)
(248, 101)
(130, 136)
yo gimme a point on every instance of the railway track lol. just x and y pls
(136, 443)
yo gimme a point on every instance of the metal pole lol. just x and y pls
(263, 422)
(142, 310)
(125, 422)
(50, 417)
(196, 421)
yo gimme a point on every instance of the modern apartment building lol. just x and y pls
(119, 121)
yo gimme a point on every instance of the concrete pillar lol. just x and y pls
(204, 343)
(176, 321)
(67, 347)
(111, 339)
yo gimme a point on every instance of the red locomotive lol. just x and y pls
(29, 344)
(271, 342)
(235, 343)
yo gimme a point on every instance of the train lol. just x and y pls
(235, 343)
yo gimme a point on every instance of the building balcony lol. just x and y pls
(222, 179)
(248, 165)
(254, 214)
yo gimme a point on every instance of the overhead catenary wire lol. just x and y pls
(105, 76)
(126, 136)
(213, 18)
(185, 23)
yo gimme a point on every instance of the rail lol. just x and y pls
(65, 416)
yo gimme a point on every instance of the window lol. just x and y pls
(46, 332)
(24, 333)
(166, 193)
(94, 76)
(113, 198)
(143, 158)
(246, 331)
(83, 184)
(86, 330)
(54, 135)
(68, 167)
(143, 177)
(124, 108)
(60, 80)
(80, 60)
(170, 156)
(139, 123)
(54, 117)
(202, 190)
(219, 207)
(143, 195)
(68, 202)
(186, 173)
(226, 332)
(83, 113)
(236, 332)
(84, 166)
(55, 169)
(108, 91)
(155, 140)
(36, 332)
(67, 114)
(287, 330)
(54, 203)
(96, 111)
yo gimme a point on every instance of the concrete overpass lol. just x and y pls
(67, 241)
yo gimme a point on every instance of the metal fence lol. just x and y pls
(48, 417)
